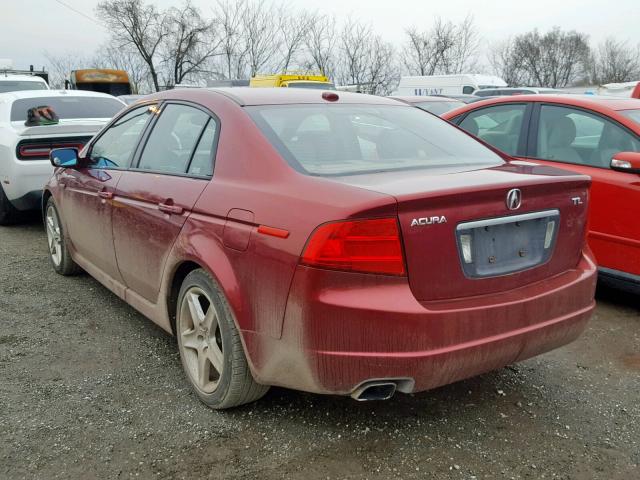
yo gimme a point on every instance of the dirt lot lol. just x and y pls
(90, 389)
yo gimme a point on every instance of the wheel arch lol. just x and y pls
(180, 272)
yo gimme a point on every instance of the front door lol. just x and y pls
(89, 189)
(586, 143)
(155, 197)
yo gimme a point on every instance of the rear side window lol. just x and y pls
(68, 107)
(499, 125)
(173, 140)
(202, 161)
(351, 139)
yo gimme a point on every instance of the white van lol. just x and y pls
(464, 83)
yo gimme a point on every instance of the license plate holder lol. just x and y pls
(506, 245)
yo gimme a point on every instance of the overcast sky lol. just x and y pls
(28, 28)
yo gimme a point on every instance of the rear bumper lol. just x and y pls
(23, 181)
(342, 329)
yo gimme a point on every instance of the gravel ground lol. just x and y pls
(91, 389)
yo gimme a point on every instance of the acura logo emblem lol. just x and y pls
(514, 199)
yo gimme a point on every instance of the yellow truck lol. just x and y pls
(292, 80)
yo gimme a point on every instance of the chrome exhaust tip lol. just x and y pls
(374, 390)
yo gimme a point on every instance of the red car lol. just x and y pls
(328, 242)
(591, 135)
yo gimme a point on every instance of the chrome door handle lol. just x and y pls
(170, 209)
(105, 194)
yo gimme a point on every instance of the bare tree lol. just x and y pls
(420, 56)
(320, 42)
(355, 50)
(124, 58)
(138, 24)
(462, 56)
(365, 60)
(60, 66)
(506, 64)
(261, 35)
(229, 15)
(554, 59)
(293, 29)
(444, 49)
(382, 69)
(615, 61)
(189, 43)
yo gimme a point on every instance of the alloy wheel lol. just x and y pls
(54, 237)
(201, 339)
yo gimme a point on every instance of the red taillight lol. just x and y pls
(370, 246)
(39, 149)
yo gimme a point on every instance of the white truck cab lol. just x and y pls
(447, 84)
(10, 82)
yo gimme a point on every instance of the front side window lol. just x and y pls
(116, 145)
(173, 139)
(352, 139)
(467, 90)
(574, 136)
(499, 126)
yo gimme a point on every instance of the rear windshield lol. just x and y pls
(14, 86)
(351, 139)
(632, 114)
(438, 108)
(68, 107)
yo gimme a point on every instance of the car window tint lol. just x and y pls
(351, 139)
(202, 161)
(467, 90)
(173, 139)
(116, 145)
(499, 125)
(574, 136)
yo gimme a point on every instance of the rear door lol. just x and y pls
(89, 189)
(585, 142)
(156, 195)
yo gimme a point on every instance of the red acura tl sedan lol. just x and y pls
(328, 242)
(592, 135)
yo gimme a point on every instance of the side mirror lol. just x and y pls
(64, 157)
(628, 162)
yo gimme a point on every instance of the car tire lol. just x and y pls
(56, 241)
(8, 213)
(210, 347)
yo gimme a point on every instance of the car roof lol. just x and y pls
(587, 101)
(422, 98)
(12, 96)
(247, 96)
(20, 78)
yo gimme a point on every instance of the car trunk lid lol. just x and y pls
(445, 213)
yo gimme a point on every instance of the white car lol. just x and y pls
(13, 83)
(24, 150)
